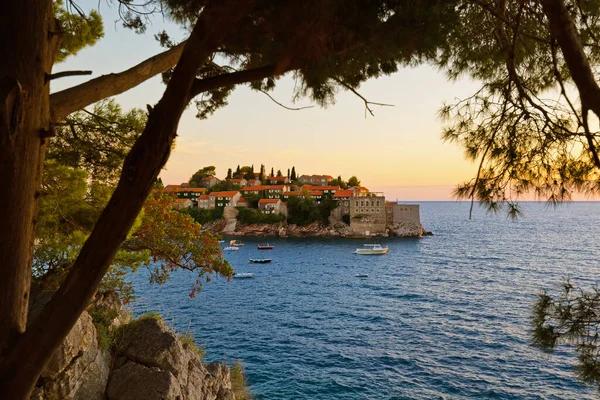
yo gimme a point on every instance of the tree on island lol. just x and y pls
(272, 172)
(293, 174)
(196, 179)
(279, 173)
(228, 173)
(238, 173)
(262, 173)
(288, 174)
(353, 181)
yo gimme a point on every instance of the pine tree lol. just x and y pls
(272, 172)
(228, 173)
(293, 175)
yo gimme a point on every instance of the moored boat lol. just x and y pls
(371, 249)
(236, 243)
(265, 246)
(243, 275)
(259, 260)
(230, 248)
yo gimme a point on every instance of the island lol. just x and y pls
(246, 203)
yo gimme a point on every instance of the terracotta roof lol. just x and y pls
(278, 187)
(310, 187)
(208, 178)
(268, 201)
(315, 193)
(276, 178)
(252, 188)
(251, 180)
(203, 197)
(242, 200)
(172, 186)
(296, 193)
(343, 193)
(236, 180)
(193, 190)
(328, 177)
(181, 200)
(223, 194)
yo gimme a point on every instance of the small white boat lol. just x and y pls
(243, 275)
(371, 249)
(236, 243)
(230, 248)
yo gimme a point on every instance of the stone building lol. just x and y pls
(367, 213)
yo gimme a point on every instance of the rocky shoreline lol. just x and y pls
(232, 227)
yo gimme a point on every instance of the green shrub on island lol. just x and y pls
(203, 216)
(252, 216)
(304, 210)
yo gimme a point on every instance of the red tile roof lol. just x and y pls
(310, 187)
(181, 200)
(296, 193)
(278, 187)
(343, 193)
(253, 188)
(223, 194)
(203, 197)
(193, 190)
(236, 180)
(208, 178)
(268, 201)
(242, 200)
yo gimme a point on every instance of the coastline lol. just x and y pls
(229, 227)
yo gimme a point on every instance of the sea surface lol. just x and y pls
(441, 317)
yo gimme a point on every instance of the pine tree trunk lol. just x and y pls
(26, 53)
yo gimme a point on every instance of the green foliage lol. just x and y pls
(570, 318)
(353, 181)
(304, 210)
(293, 174)
(253, 216)
(189, 341)
(80, 30)
(239, 384)
(524, 126)
(203, 216)
(196, 179)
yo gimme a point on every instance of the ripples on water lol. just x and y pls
(442, 317)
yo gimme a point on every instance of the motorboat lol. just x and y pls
(230, 248)
(371, 249)
(236, 243)
(243, 275)
(265, 246)
(362, 275)
(260, 260)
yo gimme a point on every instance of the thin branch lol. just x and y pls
(283, 105)
(64, 74)
(367, 102)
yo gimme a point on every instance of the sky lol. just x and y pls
(398, 151)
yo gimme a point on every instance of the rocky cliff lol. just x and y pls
(283, 230)
(142, 359)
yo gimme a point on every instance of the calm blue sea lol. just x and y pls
(442, 317)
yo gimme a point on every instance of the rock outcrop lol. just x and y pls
(79, 368)
(338, 229)
(143, 359)
(152, 363)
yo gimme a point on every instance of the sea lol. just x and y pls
(440, 317)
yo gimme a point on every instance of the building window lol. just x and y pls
(378, 210)
(377, 203)
(356, 203)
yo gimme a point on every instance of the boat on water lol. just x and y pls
(230, 248)
(362, 275)
(371, 249)
(259, 260)
(265, 246)
(236, 243)
(243, 275)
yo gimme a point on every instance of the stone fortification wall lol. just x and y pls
(406, 213)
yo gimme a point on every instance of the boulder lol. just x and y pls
(152, 357)
(79, 368)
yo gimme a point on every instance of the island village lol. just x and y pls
(349, 211)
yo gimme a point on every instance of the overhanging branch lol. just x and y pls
(77, 97)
